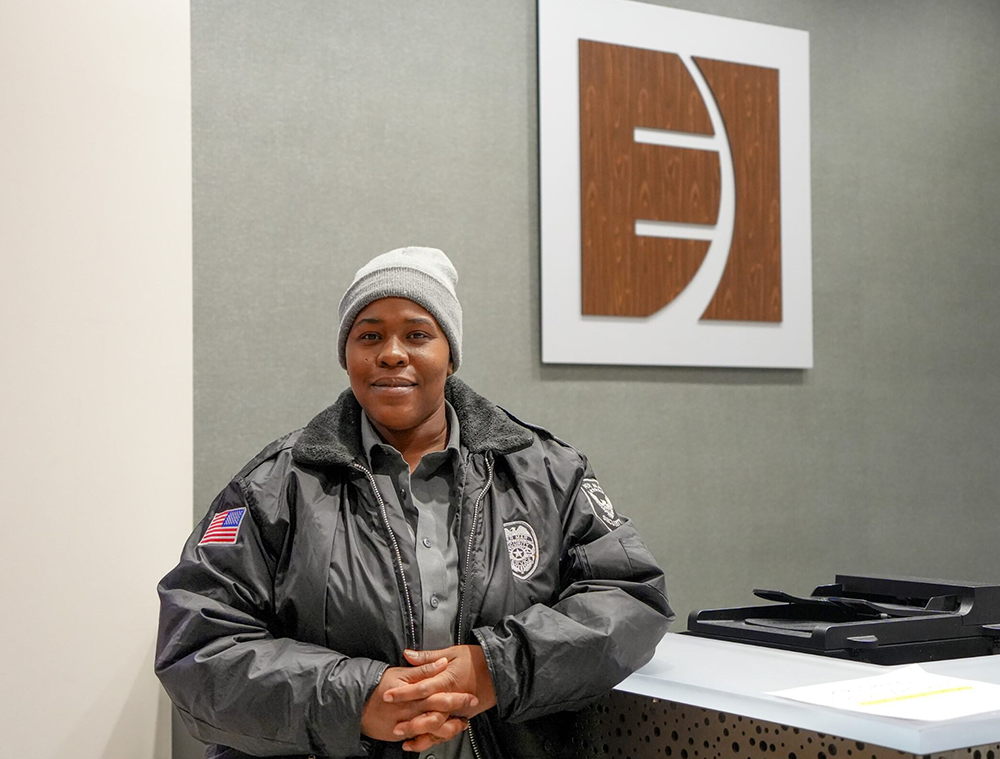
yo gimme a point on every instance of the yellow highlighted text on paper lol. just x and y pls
(914, 695)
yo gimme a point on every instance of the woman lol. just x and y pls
(415, 570)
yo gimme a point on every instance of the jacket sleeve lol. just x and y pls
(610, 614)
(233, 681)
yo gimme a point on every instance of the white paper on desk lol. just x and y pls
(906, 693)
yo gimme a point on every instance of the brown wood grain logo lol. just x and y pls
(624, 181)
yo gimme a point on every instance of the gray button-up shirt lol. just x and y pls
(430, 501)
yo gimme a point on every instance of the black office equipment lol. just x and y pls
(882, 620)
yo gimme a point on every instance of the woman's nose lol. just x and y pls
(393, 353)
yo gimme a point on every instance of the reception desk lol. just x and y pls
(705, 699)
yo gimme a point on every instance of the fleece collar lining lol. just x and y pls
(333, 437)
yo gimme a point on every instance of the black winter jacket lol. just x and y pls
(270, 646)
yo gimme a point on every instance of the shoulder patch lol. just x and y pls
(601, 504)
(224, 527)
(522, 547)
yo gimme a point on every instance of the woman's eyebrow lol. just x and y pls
(419, 320)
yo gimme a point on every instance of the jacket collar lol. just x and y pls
(333, 437)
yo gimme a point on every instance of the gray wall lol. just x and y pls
(327, 132)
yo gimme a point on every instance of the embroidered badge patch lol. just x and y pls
(224, 527)
(522, 546)
(601, 504)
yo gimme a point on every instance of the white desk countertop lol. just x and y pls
(734, 677)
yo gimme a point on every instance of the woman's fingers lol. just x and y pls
(422, 657)
(431, 668)
(428, 722)
(440, 683)
(449, 703)
(457, 704)
(421, 743)
(449, 730)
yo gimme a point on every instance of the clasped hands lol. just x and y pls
(431, 701)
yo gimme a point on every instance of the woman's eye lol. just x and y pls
(369, 336)
(418, 335)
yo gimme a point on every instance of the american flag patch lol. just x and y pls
(224, 527)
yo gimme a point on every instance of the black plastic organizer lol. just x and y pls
(882, 620)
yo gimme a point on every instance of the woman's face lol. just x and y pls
(398, 359)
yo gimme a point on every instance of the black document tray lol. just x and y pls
(882, 620)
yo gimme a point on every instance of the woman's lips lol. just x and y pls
(393, 387)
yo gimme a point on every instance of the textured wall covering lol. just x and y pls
(326, 132)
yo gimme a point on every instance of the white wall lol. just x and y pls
(95, 387)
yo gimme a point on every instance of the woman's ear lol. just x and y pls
(451, 366)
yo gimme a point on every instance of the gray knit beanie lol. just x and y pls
(423, 275)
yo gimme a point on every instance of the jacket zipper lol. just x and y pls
(472, 742)
(468, 559)
(468, 552)
(395, 549)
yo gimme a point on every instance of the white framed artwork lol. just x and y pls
(675, 188)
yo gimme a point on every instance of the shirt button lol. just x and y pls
(426, 542)
(434, 602)
(430, 756)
